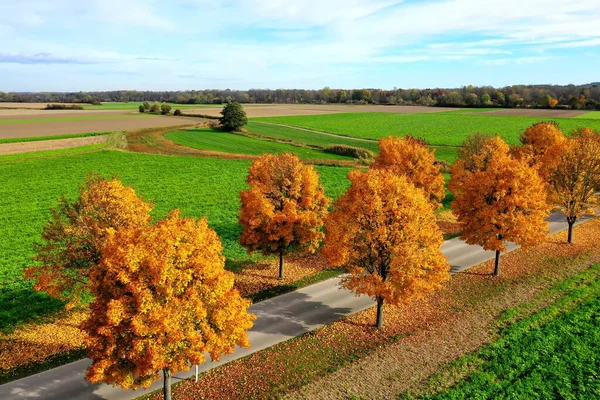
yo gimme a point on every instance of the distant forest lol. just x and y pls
(530, 96)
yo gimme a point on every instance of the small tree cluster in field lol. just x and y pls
(350, 151)
(233, 116)
(177, 112)
(63, 107)
(165, 109)
(162, 296)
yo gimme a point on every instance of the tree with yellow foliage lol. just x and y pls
(74, 236)
(384, 232)
(162, 300)
(541, 145)
(412, 158)
(284, 207)
(504, 200)
(575, 178)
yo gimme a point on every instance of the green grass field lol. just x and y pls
(210, 139)
(197, 186)
(437, 128)
(65, 119)
(447, 154)
(552, 354)
(133, 105)
(40, 138)
(590, 115)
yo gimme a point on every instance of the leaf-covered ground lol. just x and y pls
(416, 341)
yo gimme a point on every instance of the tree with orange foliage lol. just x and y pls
(384, 232)
(541, 144)
(284, 208)
(76, 232)
(575, 178)
(504, 200)
(412, 158)
(162, 300)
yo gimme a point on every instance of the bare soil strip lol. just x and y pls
(520, 112)
(43, 145)
(36, 106)
(102, 125)
(42, 114)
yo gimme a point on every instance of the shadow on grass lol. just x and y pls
(22, 304)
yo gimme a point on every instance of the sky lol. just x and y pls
(73, 45)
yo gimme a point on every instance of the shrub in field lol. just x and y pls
(63, 107)
(233, 116)
(284, 207)
(165, 109)
(162, 300)
(413, 159)
(177, 112)
(75, 234)
(141, 109)
(146, 105)
(349, 151)
(383, 231)
(501, 200)
(574, 178)
(155, 107)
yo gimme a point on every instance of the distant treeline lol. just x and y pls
(535, 96)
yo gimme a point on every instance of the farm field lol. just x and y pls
(134, 105)
(57, 137)
(78, 126)
(590, 115)
(197, 186)
(447, 154)
(71, 118)
(437, 129)
(49, 145)
(35, 106)
(210, 139)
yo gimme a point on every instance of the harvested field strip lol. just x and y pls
(446, 129)
(134, 105)
(210, 139)
(187, 183)
(413, 344)
(45, 145)
(64, 119)
(56, 137)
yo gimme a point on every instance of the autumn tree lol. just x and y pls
(162, 300)
(75, 234)
(541, 144)
(284, 207)
(412, 158)
(504, 200)
(472, 146)
(384, 232)
(575, 178)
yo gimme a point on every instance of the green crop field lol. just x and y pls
(197, 186)
(133, 105)
(436, 128)
(447, 154)
(65, 119)
(590, 115)
(550, 355)
(210, 139)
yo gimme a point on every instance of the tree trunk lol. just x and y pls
(167, 384)
(497, 264)
(571, 222)
(379, 322)
(281, 265)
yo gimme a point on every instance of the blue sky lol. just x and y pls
(71, 45)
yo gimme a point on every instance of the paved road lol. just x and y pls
(279, 319)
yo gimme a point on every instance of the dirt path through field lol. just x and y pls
(43, 145)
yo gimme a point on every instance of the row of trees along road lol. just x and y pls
(162, 297)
